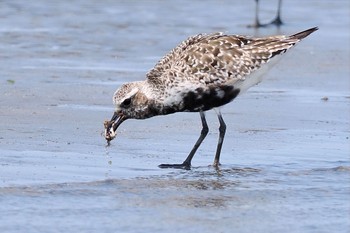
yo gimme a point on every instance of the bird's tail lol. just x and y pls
(303, 34)
(277, 45)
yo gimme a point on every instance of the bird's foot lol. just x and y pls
(216, 165)
(184, 165)
(257, 25)
(278, 22)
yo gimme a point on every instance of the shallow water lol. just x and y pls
(285, 160)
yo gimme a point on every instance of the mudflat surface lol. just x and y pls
(285, 160)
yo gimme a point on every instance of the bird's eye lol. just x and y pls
(126, 102)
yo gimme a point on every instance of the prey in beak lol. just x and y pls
(112, 125)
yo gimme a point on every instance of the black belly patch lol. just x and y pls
(202, 100)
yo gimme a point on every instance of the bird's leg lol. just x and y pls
(257, 23)
(222, 130)
(187, 163)
(277, 21)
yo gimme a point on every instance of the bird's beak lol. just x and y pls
(112, 125)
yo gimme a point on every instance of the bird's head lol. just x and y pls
(130, 102)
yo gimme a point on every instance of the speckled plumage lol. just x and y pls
(203, 72)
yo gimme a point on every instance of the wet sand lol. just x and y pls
(285, 159)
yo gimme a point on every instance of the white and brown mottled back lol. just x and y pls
(218, 58)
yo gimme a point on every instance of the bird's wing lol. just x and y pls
(216, 59)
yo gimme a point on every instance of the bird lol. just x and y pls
(204, 72)
(277, 21)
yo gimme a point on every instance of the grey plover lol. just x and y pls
(204, 72)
